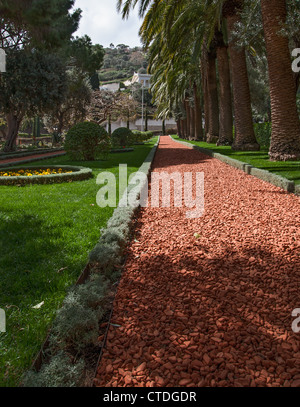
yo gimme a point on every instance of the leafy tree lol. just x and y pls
(39, 23)
(33, 83)
(85, 56)
(73, 107)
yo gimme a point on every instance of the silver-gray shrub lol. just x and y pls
(59, 372)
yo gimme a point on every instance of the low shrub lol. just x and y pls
(121, 137)
(86, 141)
(75, 326)
(263, 134)
(59, 372)
(141, 136)
(170, 132)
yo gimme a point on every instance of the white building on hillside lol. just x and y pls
(141, 78)
(112, 87)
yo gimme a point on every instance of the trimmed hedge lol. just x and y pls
(25, 153)
(121, 137)
(85, 141)
(76, 327)
(141, 136)
(122, 150)
(78, 174)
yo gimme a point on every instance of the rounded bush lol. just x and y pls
(141, 136)
(87, 141)
(121, 137)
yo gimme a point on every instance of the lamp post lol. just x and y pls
(142, 127)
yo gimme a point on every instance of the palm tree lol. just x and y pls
(226, 114)
(244, 130)
(213, 100)
(285, 140)
(186, 22)
(198, 113)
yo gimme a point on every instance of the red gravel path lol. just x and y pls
(212, 311)
(30, 157)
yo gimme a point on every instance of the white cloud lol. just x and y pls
(101, 21)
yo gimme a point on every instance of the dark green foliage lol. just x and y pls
(84, 55)
(111, 76)
(36, 127)
(263, 134)
(94, 81)
(140, 136)
(87, 141)
(121, 62)
(121, 137)
(34, 83)
(48, 24)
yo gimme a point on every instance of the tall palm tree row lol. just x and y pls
(200, 66)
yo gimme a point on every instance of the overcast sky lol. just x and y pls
(101, 21)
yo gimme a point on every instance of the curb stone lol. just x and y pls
(264, 175)
(21, 154)
(14, 163)
(121, 219)
(78, 174)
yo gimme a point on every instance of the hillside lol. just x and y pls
(120, 63)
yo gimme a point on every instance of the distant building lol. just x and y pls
(2, 60)
(112, 87)
(141, 78)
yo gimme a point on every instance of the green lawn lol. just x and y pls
(46, 234)
(259, 159)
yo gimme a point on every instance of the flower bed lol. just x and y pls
(43, 175)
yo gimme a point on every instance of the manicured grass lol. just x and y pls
(46, 234)
(258, 159)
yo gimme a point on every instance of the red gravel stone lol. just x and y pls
(213, 310)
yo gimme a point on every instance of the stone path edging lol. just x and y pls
(264, 175)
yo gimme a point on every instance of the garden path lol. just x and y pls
(208, 301)
(33, 157)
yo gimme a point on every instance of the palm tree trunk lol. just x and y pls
(198, 115)
(192, 123)
(226, 118)
(178, 124)
(204, 73)
(188, 118)
(285, 140)
(213, 102)
(244, 130)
